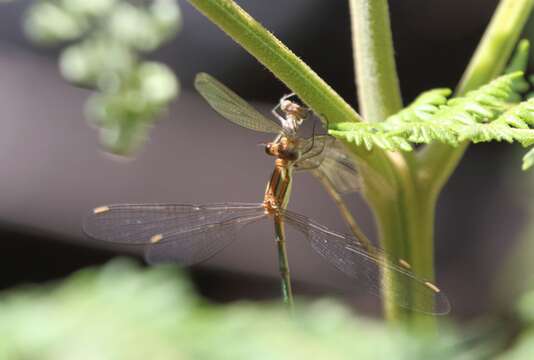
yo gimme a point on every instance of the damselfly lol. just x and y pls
(190, 234)
(323, 156)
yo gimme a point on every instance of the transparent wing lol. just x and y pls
(371, 266)
(201, 243)
(340, 169)
(138, 224)
(231, 106)
(312, 150)
(174, 232)
(327, 158)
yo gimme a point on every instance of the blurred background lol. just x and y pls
(53, 169)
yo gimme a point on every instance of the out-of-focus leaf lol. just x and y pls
(157, 82)
(47, 23)
(134, 27)
(112, 37)
(95, 62)
(167, 17)
(88, 8)
(124, 312)
(523, 348)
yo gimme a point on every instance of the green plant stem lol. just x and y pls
(376, 77)
(437, 161)
(397, 212)
(276, 57)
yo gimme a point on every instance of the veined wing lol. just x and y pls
(340, 169)
(201, 243)
(312, 151)
(371, 266)
(327, 158)
(136, 224)
(174, 232)
(231, 106)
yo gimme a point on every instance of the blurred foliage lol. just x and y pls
(106, 40)
(122, 311)
(523, 345)
(511, 282)
(515, 280)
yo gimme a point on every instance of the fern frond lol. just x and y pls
(479, 106)
(370, 135)
(482, 115)
(520, 116)
(422, 108)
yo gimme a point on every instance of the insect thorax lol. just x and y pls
(285, 148)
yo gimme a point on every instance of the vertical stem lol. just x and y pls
(287, 292)
(379, 96)
(390, 232)
(376, 76)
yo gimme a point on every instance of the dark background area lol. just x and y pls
(53, 170)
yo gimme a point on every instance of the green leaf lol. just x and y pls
(482, 115)
(123, 311)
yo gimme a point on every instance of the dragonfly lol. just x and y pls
(189, 233)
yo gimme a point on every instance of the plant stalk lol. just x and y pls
(376, 76)
(396, 211)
